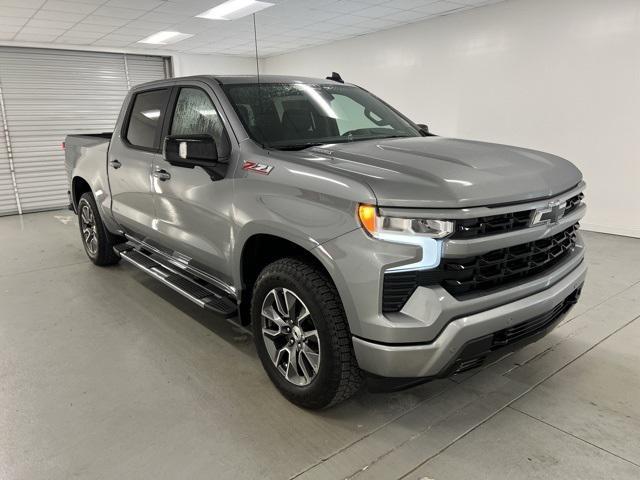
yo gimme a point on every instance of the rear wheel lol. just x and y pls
(302, 336)
(97, 241)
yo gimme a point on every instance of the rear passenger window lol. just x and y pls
(196, 115)
(146, 117)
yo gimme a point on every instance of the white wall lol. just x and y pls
(193, 64)
(561, 76)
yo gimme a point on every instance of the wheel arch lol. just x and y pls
(79, 186)
(261, 249)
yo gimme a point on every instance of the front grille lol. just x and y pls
(497, 268)
(573, 203)
(491, 225)
(507, 264)
(502, 223)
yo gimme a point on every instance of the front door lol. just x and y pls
(130, 161)
(193, 205)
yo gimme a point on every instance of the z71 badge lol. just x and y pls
(262, 168)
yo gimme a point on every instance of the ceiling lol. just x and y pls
(289, 25)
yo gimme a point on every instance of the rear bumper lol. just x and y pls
(467, 341)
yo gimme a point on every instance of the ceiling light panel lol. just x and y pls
(233, 9)
(289, 25)
(165, 38)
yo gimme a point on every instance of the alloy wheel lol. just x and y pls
(290, 336)
(89, 229)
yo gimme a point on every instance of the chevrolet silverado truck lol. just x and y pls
(356, 245)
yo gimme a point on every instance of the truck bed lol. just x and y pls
(86, 147)
(88, 138)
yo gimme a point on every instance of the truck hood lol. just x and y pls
(436, 172)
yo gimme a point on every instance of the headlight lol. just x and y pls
(425, 233)
(377, 225)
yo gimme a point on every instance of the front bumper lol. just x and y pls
(429, 333)
(446, 353)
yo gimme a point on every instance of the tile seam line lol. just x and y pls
(355, 442)
(533, 417)
(571, 319)
(44, 269)
(346, 447)
(468, 431)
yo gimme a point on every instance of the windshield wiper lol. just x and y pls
(388, 136)
(302, 146)
(298, 146)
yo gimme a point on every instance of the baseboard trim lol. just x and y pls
(611, 229)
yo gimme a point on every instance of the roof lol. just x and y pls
(239, 80)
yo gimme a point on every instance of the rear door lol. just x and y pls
(131, 157)
(193, 205)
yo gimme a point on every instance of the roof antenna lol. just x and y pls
(255, 41)
(335, 76)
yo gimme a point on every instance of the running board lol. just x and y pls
(205, 295)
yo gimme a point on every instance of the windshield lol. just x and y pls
(296, 116)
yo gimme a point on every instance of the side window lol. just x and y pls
(146, 117)
(196, 115)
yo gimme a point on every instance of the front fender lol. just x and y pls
(299, 208)
(277, 229)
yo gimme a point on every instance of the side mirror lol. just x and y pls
(424, 129)
(191, 150)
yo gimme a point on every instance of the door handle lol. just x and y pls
(162, 175)
(115, 164)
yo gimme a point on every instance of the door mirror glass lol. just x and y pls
(191, 150)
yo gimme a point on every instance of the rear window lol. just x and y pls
(145, 120)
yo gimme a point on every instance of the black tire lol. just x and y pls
(338, 376)
(101, 253)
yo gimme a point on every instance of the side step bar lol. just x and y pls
(203, 294)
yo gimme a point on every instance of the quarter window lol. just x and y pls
(146, 119)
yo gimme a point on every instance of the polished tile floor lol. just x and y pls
(106, 374)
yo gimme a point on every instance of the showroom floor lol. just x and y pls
(107, 374)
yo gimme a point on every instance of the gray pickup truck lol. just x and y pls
(355, 244)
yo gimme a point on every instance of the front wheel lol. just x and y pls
(302, 336)
(97, 240)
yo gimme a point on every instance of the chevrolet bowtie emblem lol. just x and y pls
(549, 214)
